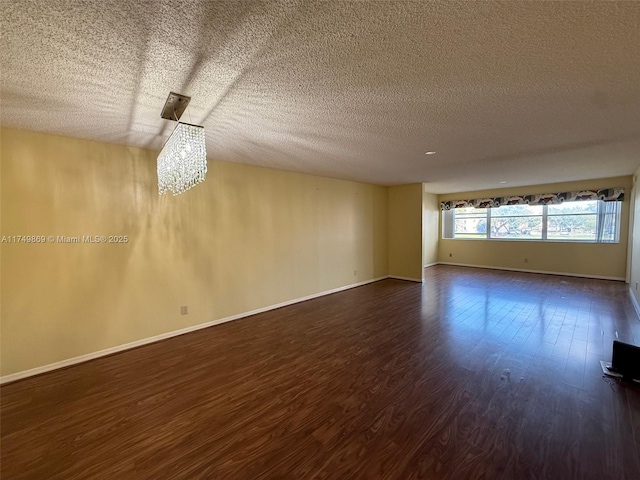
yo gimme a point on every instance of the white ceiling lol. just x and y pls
(516, 92)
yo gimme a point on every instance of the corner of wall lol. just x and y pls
(405, 231)
(430, 223)
(633, 251)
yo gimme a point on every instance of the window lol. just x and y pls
(471, 222)
(582, 221)
(517, 222)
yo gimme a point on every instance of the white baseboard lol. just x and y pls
(138, 343)
(409, 279)
(634, 302)
(430, 265)
(545, 272)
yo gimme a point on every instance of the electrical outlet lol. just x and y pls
(451, 254)
(355, 272)
(184, 310)
(526, 260)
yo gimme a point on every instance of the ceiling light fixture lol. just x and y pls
(429, 153)
(182, 163)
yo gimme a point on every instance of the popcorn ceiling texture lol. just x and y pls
(522, 92)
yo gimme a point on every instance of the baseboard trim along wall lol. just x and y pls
(430, 264)
(636, 307)
(138, 343)
(544, 272)
(409, 279)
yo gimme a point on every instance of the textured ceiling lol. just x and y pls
(516, 92)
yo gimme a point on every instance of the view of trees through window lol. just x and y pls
(577, 220)
(582, 221)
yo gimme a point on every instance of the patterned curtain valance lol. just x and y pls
(606, 194)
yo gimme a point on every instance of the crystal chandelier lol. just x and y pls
(182, 163)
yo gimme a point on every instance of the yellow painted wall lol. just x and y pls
(405, 231)
(430, 228)
(244, 239)
(589, 259)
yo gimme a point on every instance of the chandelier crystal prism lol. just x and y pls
(182, 163)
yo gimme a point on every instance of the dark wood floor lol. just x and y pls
(474, 374)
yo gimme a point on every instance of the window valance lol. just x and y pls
(606, 194)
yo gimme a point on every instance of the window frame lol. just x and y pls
(487, 235)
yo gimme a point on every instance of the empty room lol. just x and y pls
(319, 239)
